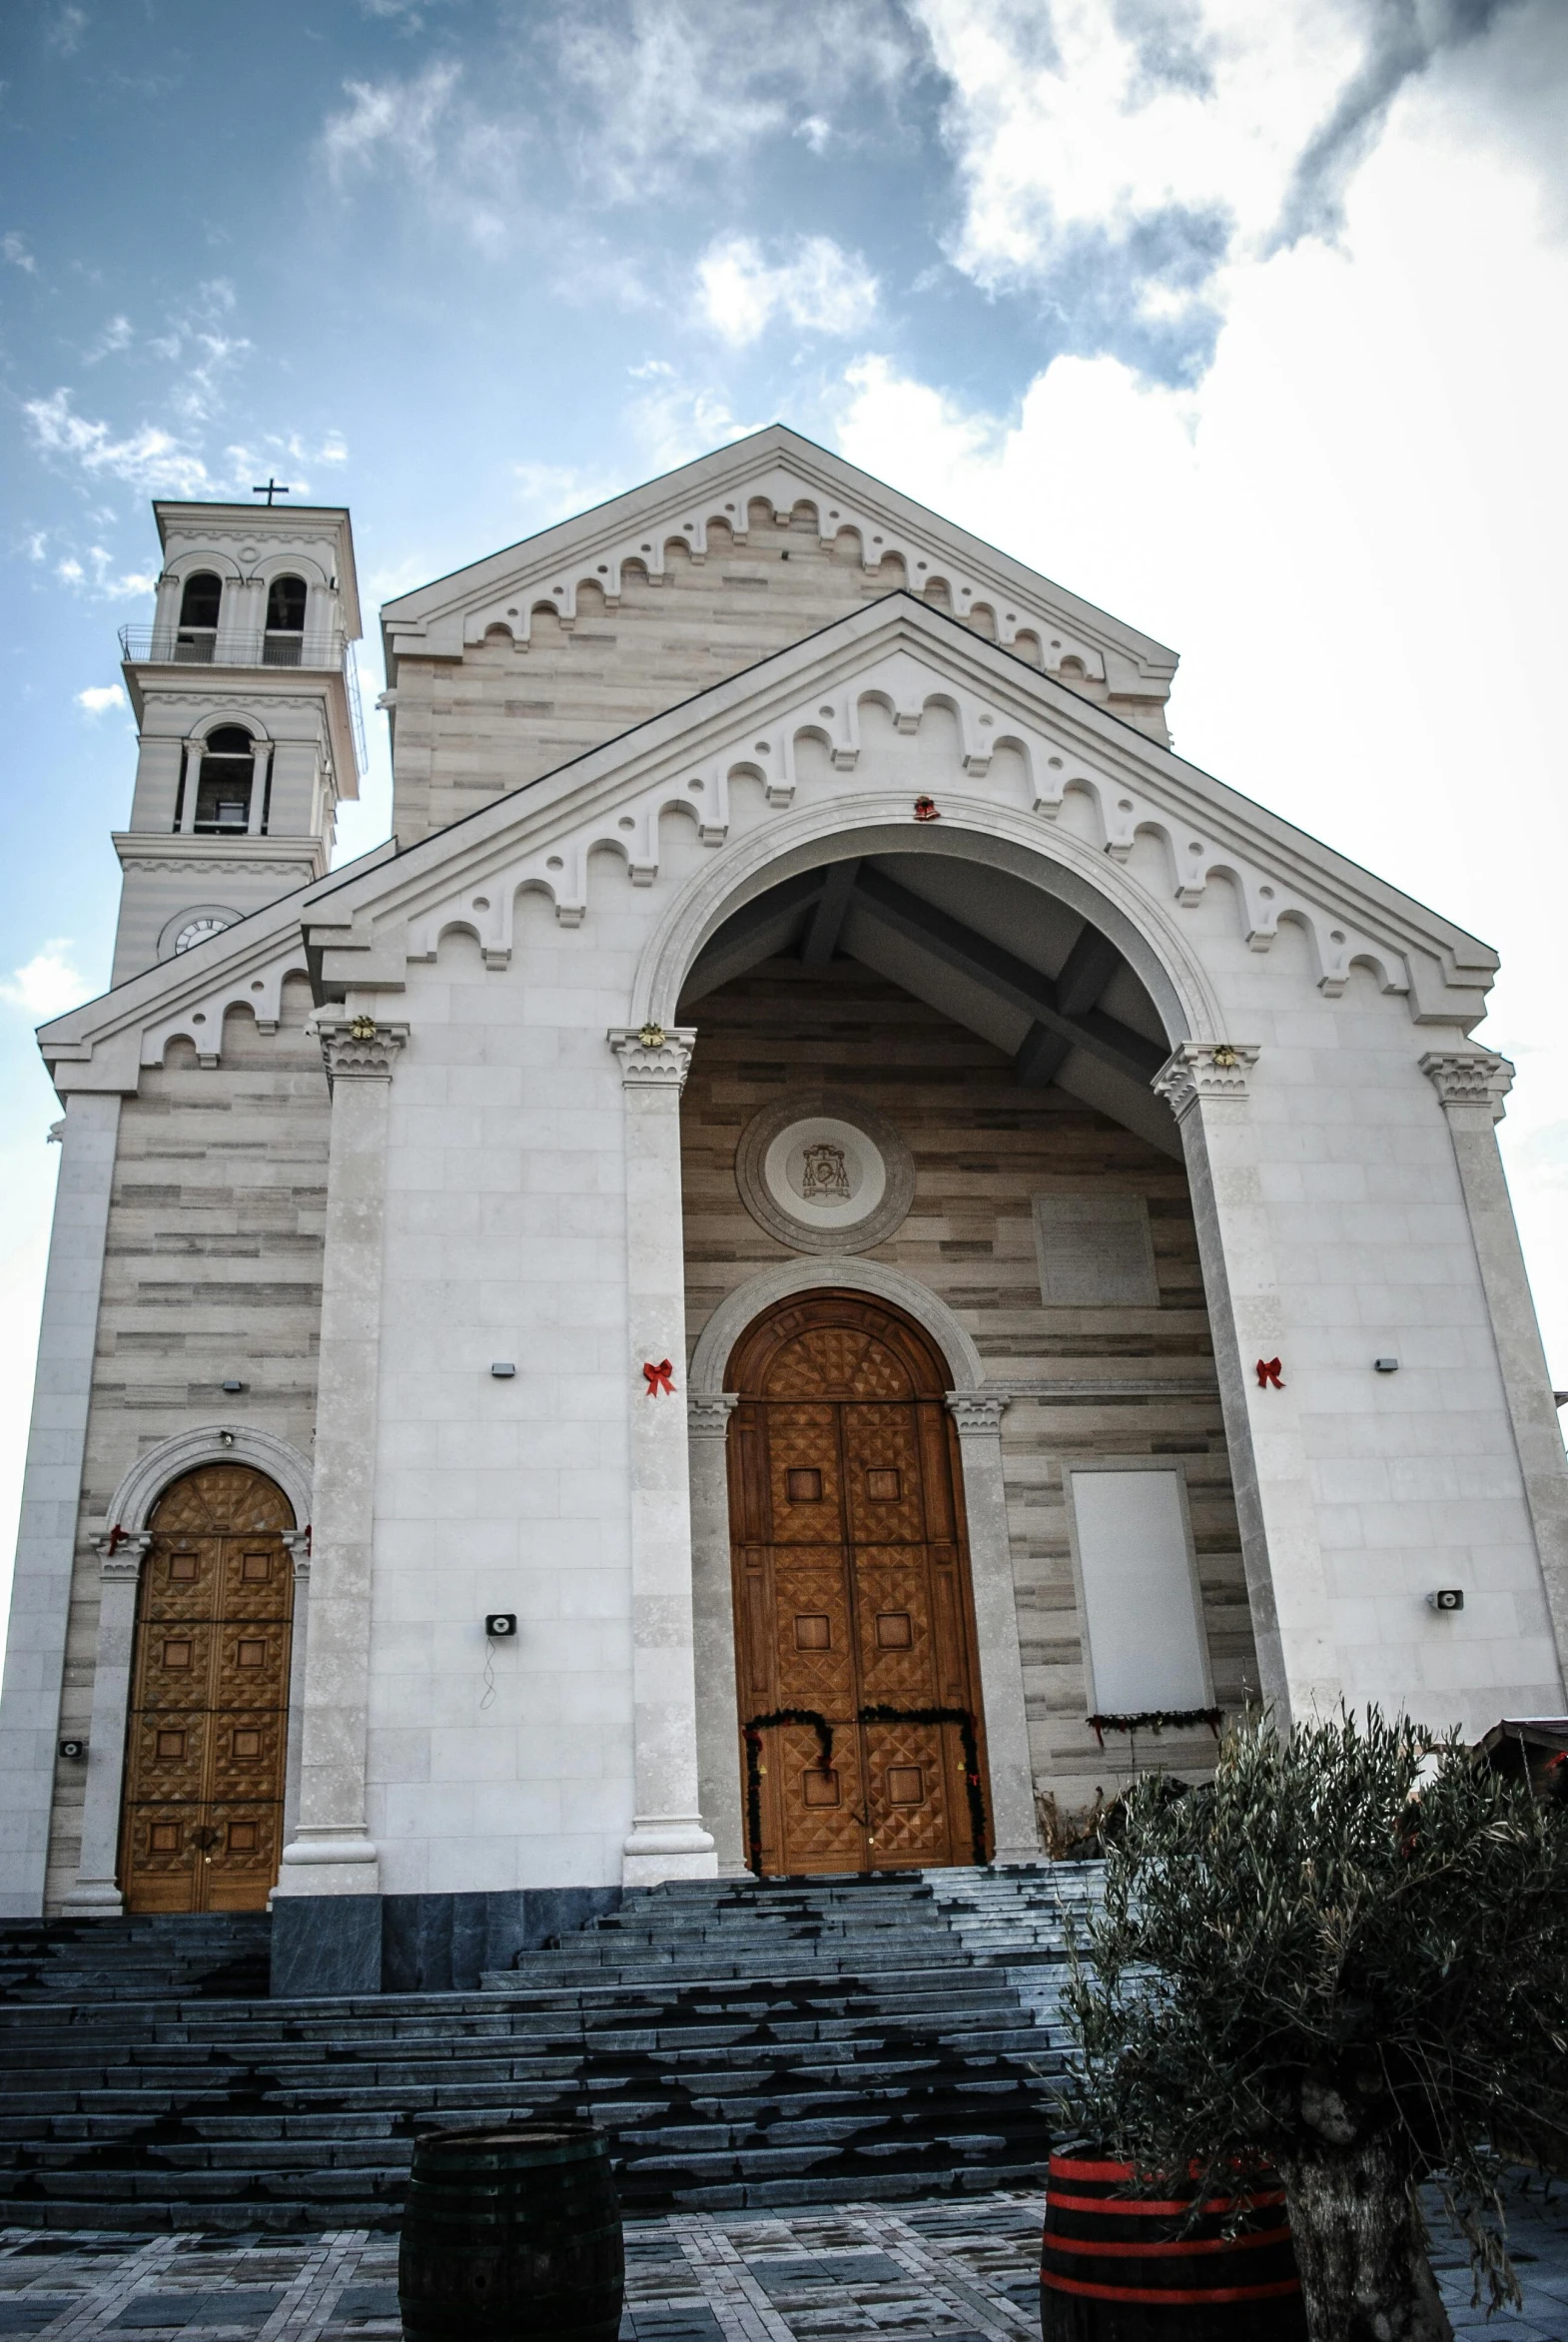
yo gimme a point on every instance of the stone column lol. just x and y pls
(1205, 1085)
(97, 1889)
(1014, 1823)
(332, 1853)
(713, 1609)
(299, 1544)
(668, 1839)
(51, 1497)
(1472, 1085)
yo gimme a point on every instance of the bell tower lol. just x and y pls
(249, 720)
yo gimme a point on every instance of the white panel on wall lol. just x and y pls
(1096, 1253)
(1140, 1599)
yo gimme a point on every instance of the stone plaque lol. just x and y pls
(1096, 1253)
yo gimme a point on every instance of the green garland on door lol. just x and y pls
(753, 1729)
(755, 1726)
(971, 1746)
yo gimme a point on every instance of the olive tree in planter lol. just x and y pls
(1347, 1958)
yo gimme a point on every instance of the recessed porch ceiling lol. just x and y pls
(1023, 971)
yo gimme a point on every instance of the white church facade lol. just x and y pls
(827, 1238)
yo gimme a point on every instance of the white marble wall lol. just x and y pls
(1337, 1189)
(505, 1242)
(1343, 1157)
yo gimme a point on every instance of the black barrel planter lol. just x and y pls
(1118, 2267)
(511, 2234)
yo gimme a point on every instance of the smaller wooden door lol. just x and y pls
(208, 1728)
(852, 1594)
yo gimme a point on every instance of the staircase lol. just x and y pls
(1022, 1920)
(217, 1956)
(743, 2043)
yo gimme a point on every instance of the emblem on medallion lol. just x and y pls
(822, 1171)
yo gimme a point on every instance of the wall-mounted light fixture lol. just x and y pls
(1385, 1365)
(1447, 1598)
(504, 1369)
(501, 1625)
(233, 1388)
(73, 1750)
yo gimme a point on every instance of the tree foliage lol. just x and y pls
(1347, 1957)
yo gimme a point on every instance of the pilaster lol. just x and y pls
(1208, 1086)
(299, 1544)
(977, 1418)
(713, 1608)
(97, 1889)
(51, 1497)
(1472, 1085)
(332, 1851)
(667, 1838)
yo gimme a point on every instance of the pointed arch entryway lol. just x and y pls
(207, 1732)
(862, 1731)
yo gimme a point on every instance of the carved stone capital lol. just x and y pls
(708, 1418)
(360, 1049)
(974, 1411)
(299, 1544)
(1207, 1071)
(653, 1057)
(120, 1555)
(1473, 1077)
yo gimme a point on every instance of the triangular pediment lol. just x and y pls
(718, 495)
(817, 721)
(843, 730)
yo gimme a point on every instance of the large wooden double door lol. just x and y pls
(852, 1595)
(208, 1729)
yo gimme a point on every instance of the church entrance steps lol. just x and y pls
(218, 1954)
(741, 2045)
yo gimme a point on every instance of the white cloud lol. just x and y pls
(116, 335)
(1349, 529)
(462, 164)
(822, 288)
(48, 985)
(150, 457)
(99, 699)
(397, 117)
(676, 83)
(556, 491)
(65, 31)
(13, 248)
(97, 574)
(1128, 159)
(671, 422)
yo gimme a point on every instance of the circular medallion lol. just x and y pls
(824, 1172)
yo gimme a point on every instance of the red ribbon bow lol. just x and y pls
(1268, 1372)
(659, 1380)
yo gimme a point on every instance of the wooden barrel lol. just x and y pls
(1115, 2267)
(511, 2234)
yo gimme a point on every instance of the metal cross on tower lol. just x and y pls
(269, 489)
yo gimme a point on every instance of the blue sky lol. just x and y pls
(1248, 321)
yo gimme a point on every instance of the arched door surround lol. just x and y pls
(207, 1732)
(862, 1739)
(1162, 956)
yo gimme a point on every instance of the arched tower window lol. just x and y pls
(226, 778)
(200, 603)
(285, 622)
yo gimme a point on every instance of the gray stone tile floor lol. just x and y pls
(952, 2271)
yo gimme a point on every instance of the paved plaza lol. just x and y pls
(932, 2272)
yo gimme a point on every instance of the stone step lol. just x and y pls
(789, 2042)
